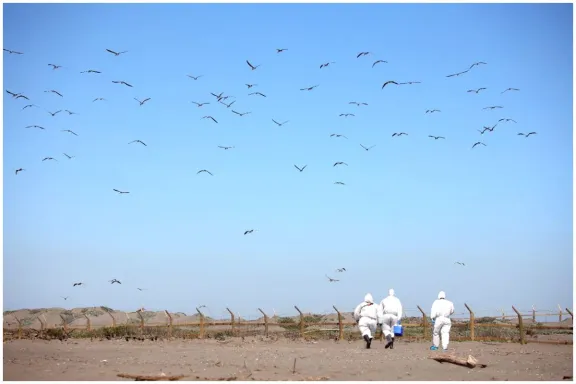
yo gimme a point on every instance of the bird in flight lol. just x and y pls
(433, 110)
(227, 105)
(248, 231)
(410, 82)
(143, 101)
(99, 99)
(341, 270)
(507, 120)
(527, 134)
(484, 129)
(121, 82)
(300, 169)
(279, 50)
(399, 134)
(493, 107)
(251, 66)
(19, 170)
(199, 104)
(347, 114)
(54, 66)
(115, 53)
(67, 130)
(225, 148)
(378, 61)
(35, 126)
(114, 281)
(459, 73)
(389, 82)
(257, 93)
(194, 77)
(69, 157)
(369, 148)
(337, 135)
(120, 192)
(340, 163)
(362, 54)
(49, 158)
(70, 112)
(241, 114)
(251, 85)
(436, 137)
(339, 183)
(56, 92)
(476, 90)
(309, 88)
(140, 289)
(65, 297)
(475, 64)
(138, 141)
(218, 97)
(91, 71)
(29, 105)
(462, 264)
(55, 113)
(203, 170)
(12, 52)
(327, 64)
(331, 279)
(210, 117)
(510, 89)
(357, 103)
(75, 284)
(17, 95)
(280, 124)
(478, 143)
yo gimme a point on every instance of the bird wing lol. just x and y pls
(111, 51)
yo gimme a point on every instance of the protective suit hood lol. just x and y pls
(368, 298)
(441, 295)
(391, 292)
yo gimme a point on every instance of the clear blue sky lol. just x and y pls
(411, 207)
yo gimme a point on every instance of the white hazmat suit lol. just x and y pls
(368, 316)
(391, 308)
(440, 313)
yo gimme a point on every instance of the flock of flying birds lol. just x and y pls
(221, 98)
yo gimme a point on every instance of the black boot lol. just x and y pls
(388, 342)
(392, 345)
(368, 341)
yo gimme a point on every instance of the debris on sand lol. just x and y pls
(150, 378)
(469, 362)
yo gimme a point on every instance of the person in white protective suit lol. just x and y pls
(391, 308)
(368, 316)
(440, 314)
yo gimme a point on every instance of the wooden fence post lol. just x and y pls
(112, 317)
(520, 325)
(559, 313)
(19, 327)
(201, 323)
(265, 322)
(169, 322)
(340, 325)
(424, 322)
(231, 319)
(301, 321)
(472, 318)
(88, 324)
(139, 313)
(64, 325)
(570, 313)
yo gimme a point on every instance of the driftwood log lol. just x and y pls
(469, 362)
(150, 378)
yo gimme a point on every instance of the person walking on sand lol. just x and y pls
(440, 314)
(391, 314)
(368, 316)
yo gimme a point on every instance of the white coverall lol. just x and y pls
(391, 311)
(441, 311)
(368, 315)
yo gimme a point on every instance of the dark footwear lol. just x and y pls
(388, 342)
(392, 345)
(368, 341)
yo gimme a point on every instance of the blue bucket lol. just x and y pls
(398, 330)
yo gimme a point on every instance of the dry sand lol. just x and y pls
(269, 359)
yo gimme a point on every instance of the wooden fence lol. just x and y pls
(301, 327)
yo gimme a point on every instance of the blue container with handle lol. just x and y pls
(398, 330)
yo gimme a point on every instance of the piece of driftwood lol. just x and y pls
(469, 362)
(150, 378)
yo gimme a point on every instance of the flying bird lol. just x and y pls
(199, 104)
(309, 88)
(68, 156)
(433, 110)
(340, 183)
(378, 61)
(484, 129)
(17, 95)
(331, 279)
(194, 77)
(49, 158)
(280, 124)
(251, 66)
(251, 85)
(203, 170)
(54, 66)
(99, 99)
(459, 73)
(218, 97)
(493, 107)
(410, 82)
(248, 231)
(436, 137)
(55, 113)
(70, 112)
(389, 82)
(369, 148)
(507, 120)
(478, 143)
(357, 103)
(210, 117)
(347, 114)
(120, 192)
(279, 50)
(527, 134)
(225, 148)
(227, 105)
(75, 284)
(510, 89)
(138, 141)
(29, 105)
(341, 270)
(140, 289)
(462, 264)
(300, 169)
(476, 90)
(399, 134)
(65, 297)
(35, 126)
(337, 135)
(327, 64)
(475, 64)
(12, 52)
(241, 114)
(67, 130)
(19, 170)
(114, 281)
(362, 54)
(121, 82)
(257, 93)
(340, 163)
(91, 71)
(143, 101)
(56, 92)
(115, 53)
